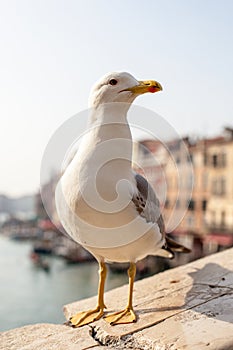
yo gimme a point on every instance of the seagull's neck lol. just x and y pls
(108, 138)
(109, 121)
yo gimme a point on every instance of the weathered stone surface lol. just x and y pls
(208, 326)
(47, 337)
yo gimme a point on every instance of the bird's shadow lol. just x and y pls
(210, 285)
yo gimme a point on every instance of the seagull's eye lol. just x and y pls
(113, 82)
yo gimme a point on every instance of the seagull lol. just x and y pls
(102, 203)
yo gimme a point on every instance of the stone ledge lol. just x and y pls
(172, 307)
(48, 337)
(189, 307)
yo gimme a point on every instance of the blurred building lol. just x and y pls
(204, 206)
(219, 211)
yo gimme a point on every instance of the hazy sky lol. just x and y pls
(53, 51)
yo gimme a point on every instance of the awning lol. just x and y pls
(221, 239)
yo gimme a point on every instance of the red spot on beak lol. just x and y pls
(153, 89)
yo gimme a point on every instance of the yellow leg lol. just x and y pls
(85, 317)
(127, 315)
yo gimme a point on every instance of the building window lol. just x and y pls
(219, 160)
(223, 218)
(219, 186)
(224, 159)
(191, 205)
(215, 160)
(205, 159)
(222, 186)
(215, 187)
(204, 205)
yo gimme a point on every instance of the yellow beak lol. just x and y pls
(145, 86)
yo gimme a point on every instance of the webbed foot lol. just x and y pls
(86, 317)
(121, 317)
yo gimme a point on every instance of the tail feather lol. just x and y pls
(172, 246)
(176, 247)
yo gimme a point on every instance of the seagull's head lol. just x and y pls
(120, 87)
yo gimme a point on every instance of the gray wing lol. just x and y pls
(147, 205)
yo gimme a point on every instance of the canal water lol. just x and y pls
(29, 294)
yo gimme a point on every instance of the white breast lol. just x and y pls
(94, 196)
